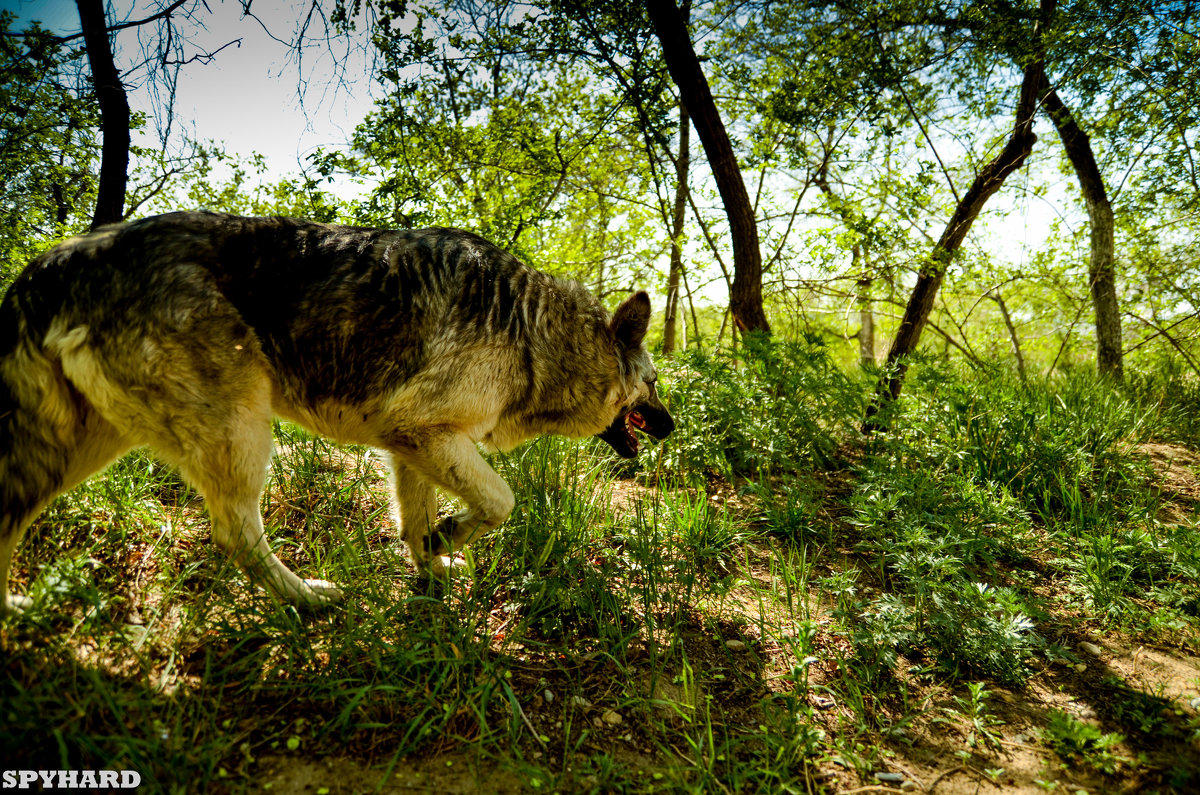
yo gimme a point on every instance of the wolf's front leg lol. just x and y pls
(414, 508)
(451, 461)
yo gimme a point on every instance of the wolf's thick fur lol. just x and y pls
(187, 332)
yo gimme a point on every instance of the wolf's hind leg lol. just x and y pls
(47, 457)
(451, 461)
(195, 387)
(229, 467)
(214, 424)
(10, 603)
(414, 506)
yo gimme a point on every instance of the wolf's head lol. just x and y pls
(639, 406)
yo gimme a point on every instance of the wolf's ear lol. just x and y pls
(631, 320)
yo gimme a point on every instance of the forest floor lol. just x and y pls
(941, 747)
(712, 655)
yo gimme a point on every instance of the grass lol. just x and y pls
(764, 603)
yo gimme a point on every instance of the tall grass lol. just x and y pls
(752, 605)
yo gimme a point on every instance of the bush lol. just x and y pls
(771, 406)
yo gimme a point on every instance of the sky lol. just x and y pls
(248, 96)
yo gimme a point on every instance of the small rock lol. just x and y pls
(546, 694)
(1091, 648)
(735, 645)
(579, 702)
(890, 778)
(1081, 667)
(612, 718)
(1195, 703)
(909, 786)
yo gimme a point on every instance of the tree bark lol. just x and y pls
(1102, 275)
(933, 270)
(681, 196)
(862, 298)
(1012, 334)
(745, 299)
(866, 321)
(114, 114)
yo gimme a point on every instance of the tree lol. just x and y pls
(114, 114)
(990, 178)
(675, 273)
(745, 299)
(1102, 280)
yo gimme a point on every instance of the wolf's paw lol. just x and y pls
(444, 566)
(14, 605)
(317, 594)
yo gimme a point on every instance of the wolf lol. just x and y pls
(188, 332)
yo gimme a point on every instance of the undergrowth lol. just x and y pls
(768, 601)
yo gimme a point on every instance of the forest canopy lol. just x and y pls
(854, 173)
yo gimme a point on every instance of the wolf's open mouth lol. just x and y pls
(634, 420)
(621, 435)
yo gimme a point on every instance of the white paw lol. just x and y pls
(319, 593)
(15, 605)
(444, 566)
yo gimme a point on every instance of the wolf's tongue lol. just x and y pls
(633, 420)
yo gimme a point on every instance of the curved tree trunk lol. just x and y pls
(745, 299)
(1102, 272)
(114, 114)
(681, 197)
(933, 271)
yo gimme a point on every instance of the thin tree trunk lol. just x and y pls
(866, 330)
(933, 270)
(687, 290)
(1012, 334)
(681, 197)
(866, 321)
(745, 299)
(114, 114)
(1102, 272)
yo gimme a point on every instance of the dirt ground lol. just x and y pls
(936, 752)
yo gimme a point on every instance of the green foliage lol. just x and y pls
(48, 150)
(563, 587)
(490, 128)
(1062, 449)
(774, 406)
(604, 607)
(1078, 741)
(220, 182)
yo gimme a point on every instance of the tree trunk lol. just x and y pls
(681, 196)
(862, 298)
(1012, 335)
(114, 114)
(933, 270)
(866, 323)
(1102, 276)
(745, 299)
